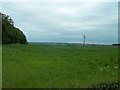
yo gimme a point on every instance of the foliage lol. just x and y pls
(107, 86)
(11, 34)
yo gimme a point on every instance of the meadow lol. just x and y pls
(58, 66)
(0, 66)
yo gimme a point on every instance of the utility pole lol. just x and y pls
(84, 37)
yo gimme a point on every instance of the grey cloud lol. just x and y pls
(44, 21)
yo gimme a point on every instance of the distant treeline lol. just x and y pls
(116, 44)
(11, 34)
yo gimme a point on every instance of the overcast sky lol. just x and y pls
(65, 21)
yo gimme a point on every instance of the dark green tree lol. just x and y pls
(11, 34)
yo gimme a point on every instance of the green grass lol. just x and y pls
(0, 66)
(58, 66)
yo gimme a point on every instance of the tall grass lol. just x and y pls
(58, 66)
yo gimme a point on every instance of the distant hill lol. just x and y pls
(11, 34)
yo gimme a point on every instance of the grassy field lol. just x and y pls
(0, 66)
(58, 66)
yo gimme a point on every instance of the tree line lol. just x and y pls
(11, 34)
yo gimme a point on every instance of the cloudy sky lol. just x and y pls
(65, 21)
